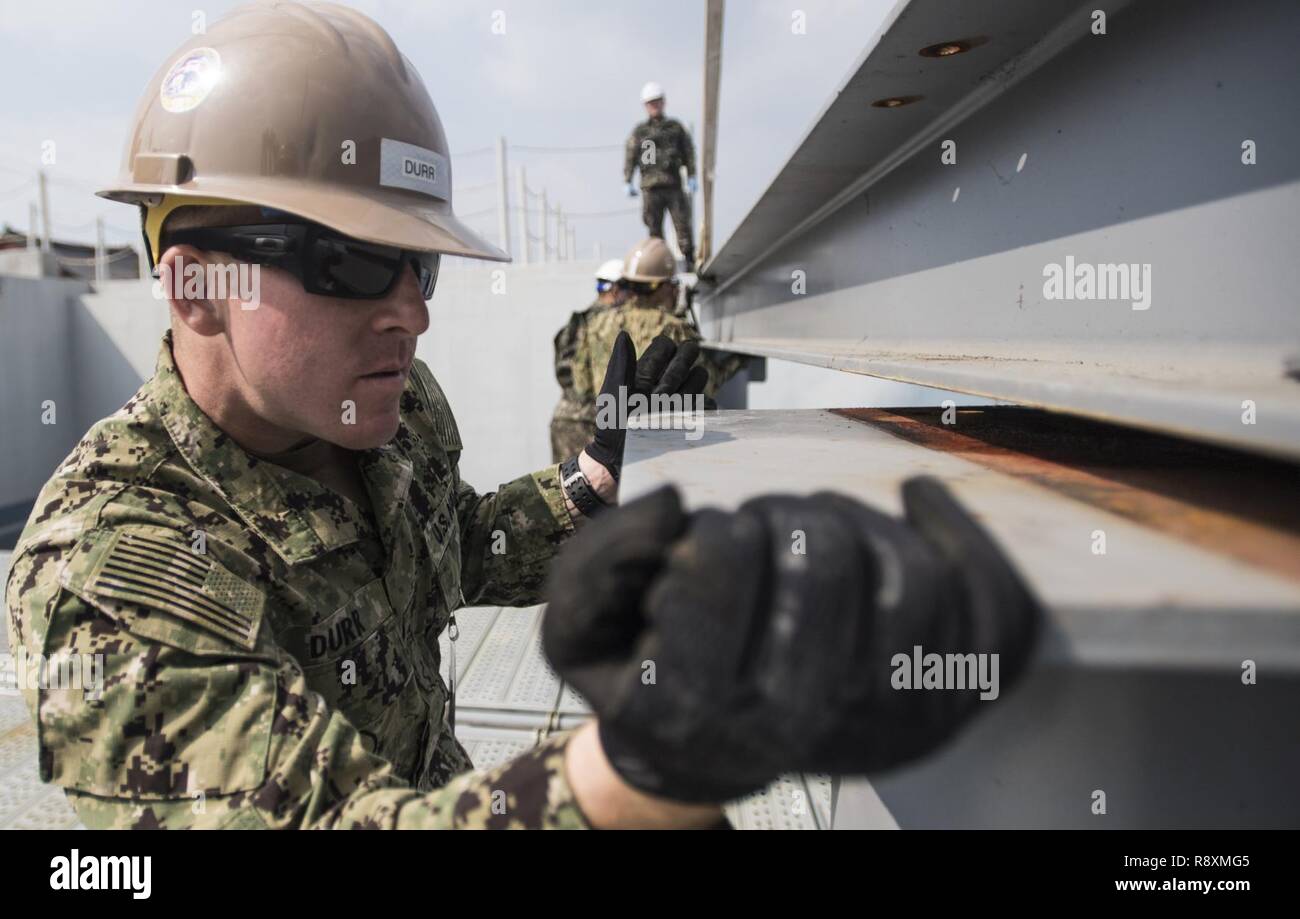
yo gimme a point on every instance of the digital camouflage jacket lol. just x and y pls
(659, 147)
(270, 654)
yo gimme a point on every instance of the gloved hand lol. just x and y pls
(664, 368)
(692, 186)
(631, 190)
(718, 657)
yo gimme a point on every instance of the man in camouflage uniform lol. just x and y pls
(264, 544)
(659, 147)
(270, 648)
(573, 421)
(647, 310)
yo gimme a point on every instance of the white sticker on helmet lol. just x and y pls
(414, 168)
(190, 79)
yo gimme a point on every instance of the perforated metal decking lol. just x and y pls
(508, 698)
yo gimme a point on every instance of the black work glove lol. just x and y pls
(664, 368)
(717, 657)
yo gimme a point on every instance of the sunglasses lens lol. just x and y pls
(346, 268)
(426, 266)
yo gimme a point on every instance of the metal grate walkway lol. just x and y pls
(508, 698)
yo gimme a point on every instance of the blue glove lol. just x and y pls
(631, 190)
(691, 185)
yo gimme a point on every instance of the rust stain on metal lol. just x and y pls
(1235, 504)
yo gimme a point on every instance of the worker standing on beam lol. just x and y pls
(659, 147)
(574, 419)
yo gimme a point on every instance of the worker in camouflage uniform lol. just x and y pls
(574, 419)
(263, 545)
(659, 147)
(647, 310)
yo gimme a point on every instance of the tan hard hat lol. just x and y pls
(307, 108)
(648, 261)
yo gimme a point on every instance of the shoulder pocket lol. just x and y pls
(157, 724)
(148, 579)
(177, 702)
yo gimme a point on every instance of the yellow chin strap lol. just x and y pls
(155, 216)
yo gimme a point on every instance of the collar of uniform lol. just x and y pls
(297, 516)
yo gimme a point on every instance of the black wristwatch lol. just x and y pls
(579, 490)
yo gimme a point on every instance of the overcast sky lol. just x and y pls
(565, 73)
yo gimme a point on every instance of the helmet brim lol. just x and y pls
(389, 217)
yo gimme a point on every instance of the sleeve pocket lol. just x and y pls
(160, 725)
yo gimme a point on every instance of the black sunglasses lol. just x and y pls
(325, 261)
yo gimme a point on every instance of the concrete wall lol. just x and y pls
(116, 334)
(85, 352)
(35, 317)
(490, 346)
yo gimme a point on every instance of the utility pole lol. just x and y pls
(521, 195)
(708, 153)
(45, 213)
(546, 235)
(559, 233)
(503, 197)
(32, 211)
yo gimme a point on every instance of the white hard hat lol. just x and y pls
(611, 270)
(651, 90)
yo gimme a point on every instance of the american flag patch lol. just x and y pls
(162, 574)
